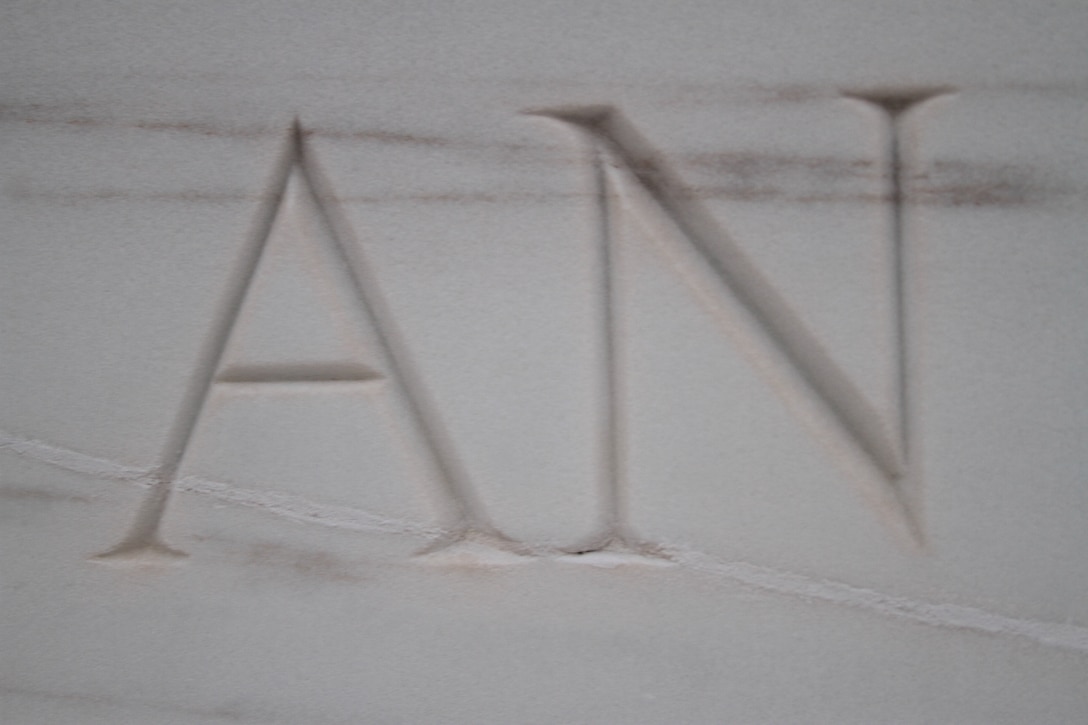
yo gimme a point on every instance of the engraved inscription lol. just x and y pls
(629, 177)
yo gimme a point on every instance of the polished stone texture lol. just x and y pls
(543, 362)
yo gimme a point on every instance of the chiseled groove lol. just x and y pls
(1072, 637)
(460, 495)
(614, 503)
(899, 280)
(720, 253)
(894, 107)
(614, 532)
(144, 533)
(212, 355)
(298, 373)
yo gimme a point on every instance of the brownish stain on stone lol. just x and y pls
(231, 712)
(745, 176)
(38, 495)
(744, 165)
(301, 562)
(958, 183)
(378, 136)
(753, 177)
(200, 129)
(61, 116)
(22, 193)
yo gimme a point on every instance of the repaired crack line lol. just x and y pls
(1071, 637)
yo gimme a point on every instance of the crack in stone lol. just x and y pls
(1070, 637)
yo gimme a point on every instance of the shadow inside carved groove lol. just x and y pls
(897, 101)
(300, 373)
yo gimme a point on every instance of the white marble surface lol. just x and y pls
(767, 566)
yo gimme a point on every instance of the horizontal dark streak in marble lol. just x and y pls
(743, 176)
(38, 495)
(747, 164)
(33, 116)
(224, 714)
(126, 195)
(998, 193)
(28, 115)
(735, 89)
